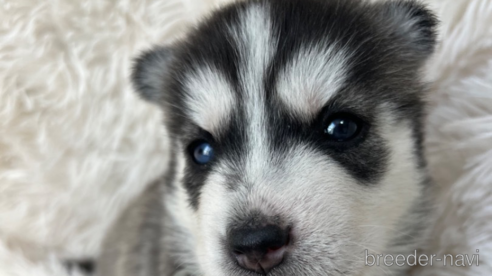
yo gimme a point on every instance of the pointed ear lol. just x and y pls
(149, 73)
(410, 22)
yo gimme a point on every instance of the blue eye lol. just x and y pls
(203, 153)
(342, 128)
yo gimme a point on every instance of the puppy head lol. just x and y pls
(299, 126)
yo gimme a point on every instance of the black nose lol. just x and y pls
(259, 249)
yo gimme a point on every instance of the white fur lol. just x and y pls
(73, 133)
(210, 98)
(254, 33)
(184, 218)
(324, 71)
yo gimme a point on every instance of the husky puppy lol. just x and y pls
(296, 143)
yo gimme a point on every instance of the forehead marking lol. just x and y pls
(257, 46)
(311, 78)
(210, 98)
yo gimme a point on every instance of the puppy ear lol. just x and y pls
(149, 72)
(412, 23)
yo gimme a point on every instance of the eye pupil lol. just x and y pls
(203, 153)
(342, 129)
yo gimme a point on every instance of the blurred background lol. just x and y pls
(76, 143)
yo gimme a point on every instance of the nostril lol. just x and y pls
(259, 249)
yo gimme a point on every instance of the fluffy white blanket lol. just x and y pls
(76, 144)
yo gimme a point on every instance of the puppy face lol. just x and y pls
(296, 133)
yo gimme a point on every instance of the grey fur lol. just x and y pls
(135, 245)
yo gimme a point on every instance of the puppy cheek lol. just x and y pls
(212, 221)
